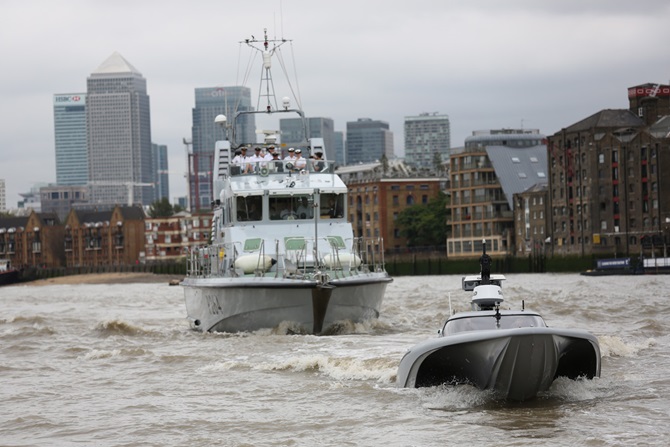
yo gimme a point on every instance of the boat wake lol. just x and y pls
(342, 327)
(380, 370)
(467, 397)
(117, 327)
(103, 354)
(612, 346)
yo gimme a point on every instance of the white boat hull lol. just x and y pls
(516, 363)
(248, 304)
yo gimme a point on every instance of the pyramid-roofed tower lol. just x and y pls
(118, 128)
(115, 64)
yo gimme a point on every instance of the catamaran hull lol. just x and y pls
(243, 304)
(516, 363)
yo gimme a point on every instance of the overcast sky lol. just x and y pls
(487, 64)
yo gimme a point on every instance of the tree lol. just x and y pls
(437, 162)
(425, 224)
(161, 208)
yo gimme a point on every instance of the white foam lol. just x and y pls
(613, 346)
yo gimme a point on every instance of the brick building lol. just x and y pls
(32, 241)
(531, 221)
(170, 238)
(378, 195)
(485, 174)
(99, 238)
(606, 192)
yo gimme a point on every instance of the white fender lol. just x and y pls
(249, 263)
(345, 260)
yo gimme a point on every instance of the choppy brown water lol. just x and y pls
(116, 365)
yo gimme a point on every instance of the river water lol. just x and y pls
(116, 365)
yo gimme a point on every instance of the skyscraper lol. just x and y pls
(210, 102)
(119, 134)
(3, 196)
(70, 139)
(368, 140)
(426, 136)
(292, 132)
(338, 144)
(159, 157)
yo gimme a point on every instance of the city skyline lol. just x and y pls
(486, 65)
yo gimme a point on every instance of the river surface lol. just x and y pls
(117, 365)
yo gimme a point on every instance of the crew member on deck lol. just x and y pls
(300, 162)
(318, 165)
(291, 155)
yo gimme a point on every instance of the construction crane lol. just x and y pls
(129, 185)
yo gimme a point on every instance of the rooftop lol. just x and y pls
(116, 64)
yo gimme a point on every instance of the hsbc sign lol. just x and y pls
(69, 100)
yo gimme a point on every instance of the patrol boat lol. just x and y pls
(281, 247)
(512, 352)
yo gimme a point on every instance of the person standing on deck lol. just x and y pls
(291, 155)
(256, 159)
(300, 162)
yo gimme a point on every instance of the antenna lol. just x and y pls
(281, 18)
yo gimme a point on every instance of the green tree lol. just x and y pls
(425, 224)
(437, 162)
(161, 208)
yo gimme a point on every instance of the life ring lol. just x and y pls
(264, 172)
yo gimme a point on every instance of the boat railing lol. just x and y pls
(371, 251)
(210, 260)
(293, 257)
(284, 167)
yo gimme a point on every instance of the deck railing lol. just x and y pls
(294, 257)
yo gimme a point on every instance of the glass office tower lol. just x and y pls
(70, 139)
(210, 102)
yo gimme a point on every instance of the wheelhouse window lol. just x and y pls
(249, 208)
(296, 207)
(486, 322)
(332, 206)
